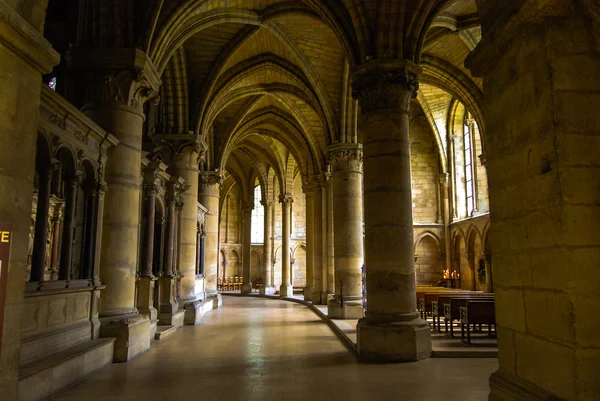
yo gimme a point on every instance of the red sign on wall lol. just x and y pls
(5, 241)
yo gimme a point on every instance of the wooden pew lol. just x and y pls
(437, 305)
(452, 309)
(427, 294)
(477, 312)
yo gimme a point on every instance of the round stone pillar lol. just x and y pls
(346, 162)
(247, 209)
(267, 287)
(286, 289)
(187, 168)
(311, 191)
(391, 329)
(209, 188)
(117, 84)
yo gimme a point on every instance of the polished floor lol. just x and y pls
(258, 349)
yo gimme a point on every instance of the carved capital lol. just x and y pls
(210, 183)
(116, 77)
(247, 207)
(483, 158)
(286, 199)
(443, 178)
(381, 85)
(345, 157)
(150, 189)
(266, 203)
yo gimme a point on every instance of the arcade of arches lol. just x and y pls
(152, 151)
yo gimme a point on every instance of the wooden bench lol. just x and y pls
(477, 312)
(452, 309)
(425, 297)
(259, 283)
(437, 305)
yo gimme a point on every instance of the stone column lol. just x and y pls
(38, 259)
(209, 188)
(117, 84)
(25, 56)
(267, 288)
(247, 209)
(168, 306)
(317, 240)
(286, 289)
(146, 283)
(330, 244)
(324, 238)
(311, 191)
(187, 168)
(391, 329)
(66, 252)
(346, 162)
(445, 190)
(55, 254)
(543, 174)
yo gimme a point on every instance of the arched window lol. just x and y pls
(469, 171)
(258, 218)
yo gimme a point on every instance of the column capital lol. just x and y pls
(116, 77)
(247, 207)
(385, 85)
(286, 199)
(210, 182)
(345, 156)
(443, 178)
(266, 203)
(150, 189)
(483, 158)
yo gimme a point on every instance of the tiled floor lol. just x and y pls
(259, 349)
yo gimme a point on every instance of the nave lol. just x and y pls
(262, 349)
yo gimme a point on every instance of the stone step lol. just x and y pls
(163, 332)
(41, 379)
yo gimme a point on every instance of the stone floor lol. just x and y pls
(260, 349)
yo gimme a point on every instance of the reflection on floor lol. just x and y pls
(259, 349)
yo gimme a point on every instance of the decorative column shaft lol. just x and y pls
(247, 209)
(384, 91)
(286, 289)
(209, 188)
(38, 260)
(55, 254)
(330, 238)
(66, 254)
(187, 168)
(150, 192)
(267, 248)
(346, 162)
(317, 240)
(311, 191)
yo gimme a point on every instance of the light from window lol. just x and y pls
(52, 83)
(469, 167)
(258, 219)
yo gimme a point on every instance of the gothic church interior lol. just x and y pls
(397, 165)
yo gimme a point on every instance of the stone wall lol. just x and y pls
(425, 172)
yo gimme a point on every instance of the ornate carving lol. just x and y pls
(443, 178)
(247, 207)
(58, 121)
(286, 198)
(210, 183)
(347, 157)
(266, 203)
(483, 158)
(381, 87)
(80, 136)
(150, 189)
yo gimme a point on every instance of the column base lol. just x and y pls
(383, 340)
(308, 292)
(317, 298)
(195, 310)
(351, 309)
(286, 291)
(506, 387)
(216, 298)
(246, 288)
(267, 290)
(132, 333)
